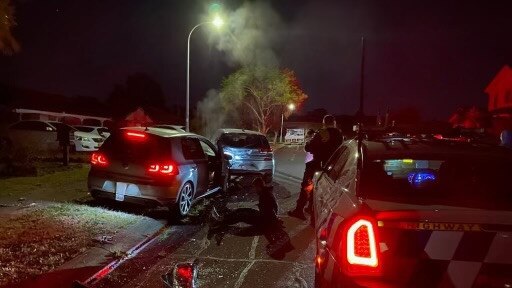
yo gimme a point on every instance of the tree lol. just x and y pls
(261, 91)
(8, 44)
(140, 90)
(469, 118)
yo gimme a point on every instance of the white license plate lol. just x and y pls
(120, 190)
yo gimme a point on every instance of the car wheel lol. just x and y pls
(185, 198)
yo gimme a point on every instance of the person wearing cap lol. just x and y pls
(322, 145)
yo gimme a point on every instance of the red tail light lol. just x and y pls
(360, 247)
(99, 159)
(269, 149)
(163, 168)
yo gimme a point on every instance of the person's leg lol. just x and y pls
(304, 194)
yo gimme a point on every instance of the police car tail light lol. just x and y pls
(162, 169)
(360, 247)
(99, 159)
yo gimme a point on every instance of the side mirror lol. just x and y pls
(227, 157)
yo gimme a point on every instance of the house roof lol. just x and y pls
(501, 81)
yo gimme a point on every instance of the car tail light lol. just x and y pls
(137, 136)
(163, 169)
(360, 247)
(99, 159)
(268, 150)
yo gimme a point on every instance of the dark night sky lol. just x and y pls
(436, 55)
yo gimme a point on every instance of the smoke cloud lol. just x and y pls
(211, 113)
(251, 35)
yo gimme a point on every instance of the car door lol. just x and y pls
(325, 186)
(214, 163)
(193, 151)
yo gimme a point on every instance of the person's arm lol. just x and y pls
(312, 144)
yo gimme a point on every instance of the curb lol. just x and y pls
(106, 270)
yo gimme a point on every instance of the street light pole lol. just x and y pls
(187, 109)
(282, 122)
(291, 107)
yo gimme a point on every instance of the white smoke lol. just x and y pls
(251, 35)
(211, 113)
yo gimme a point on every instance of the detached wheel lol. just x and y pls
(184, 202)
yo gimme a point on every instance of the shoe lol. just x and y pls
(297, 214)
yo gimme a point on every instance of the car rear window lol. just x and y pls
(244, 140)
(84, 129)
(475, 183)
(118, 146)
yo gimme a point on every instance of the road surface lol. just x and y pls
(237, 255)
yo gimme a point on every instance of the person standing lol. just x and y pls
(63, 136)
(322, 145)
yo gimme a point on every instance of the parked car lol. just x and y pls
(157, 167)
(102, 131)
(42, 136)
(81, 141)
(414, 213)
(171, 127)
(250, 152)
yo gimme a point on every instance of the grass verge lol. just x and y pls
(41, 239)
(57, 183)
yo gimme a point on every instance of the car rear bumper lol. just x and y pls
(81, 146)
(251, 166)
(137, 193)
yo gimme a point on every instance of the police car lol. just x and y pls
(414, 213)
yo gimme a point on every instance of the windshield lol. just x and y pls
(243, 140)
(455, 182)
(153, 147)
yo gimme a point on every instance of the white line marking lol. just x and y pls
(252, 253)
(242, 275)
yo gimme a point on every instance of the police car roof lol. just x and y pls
(431, 149)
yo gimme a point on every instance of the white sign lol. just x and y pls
(294, 135)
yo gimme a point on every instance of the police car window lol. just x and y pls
(191, 148)
(474, 183)
(332, 166)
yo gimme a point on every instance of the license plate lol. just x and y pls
(120, 190)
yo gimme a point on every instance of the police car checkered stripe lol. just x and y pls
(453, 258)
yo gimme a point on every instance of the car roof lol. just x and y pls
(234, 130)
(397, 149)
(162, 132)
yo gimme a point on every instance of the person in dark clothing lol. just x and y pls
(63, 135)
(265, 215)
(323, 144)
(263, 221)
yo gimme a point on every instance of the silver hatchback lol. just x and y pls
(249, 152)
(157, 167)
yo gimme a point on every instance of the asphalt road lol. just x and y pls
(238, 255)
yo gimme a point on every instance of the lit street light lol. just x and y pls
(291, 107)
(217, 22)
